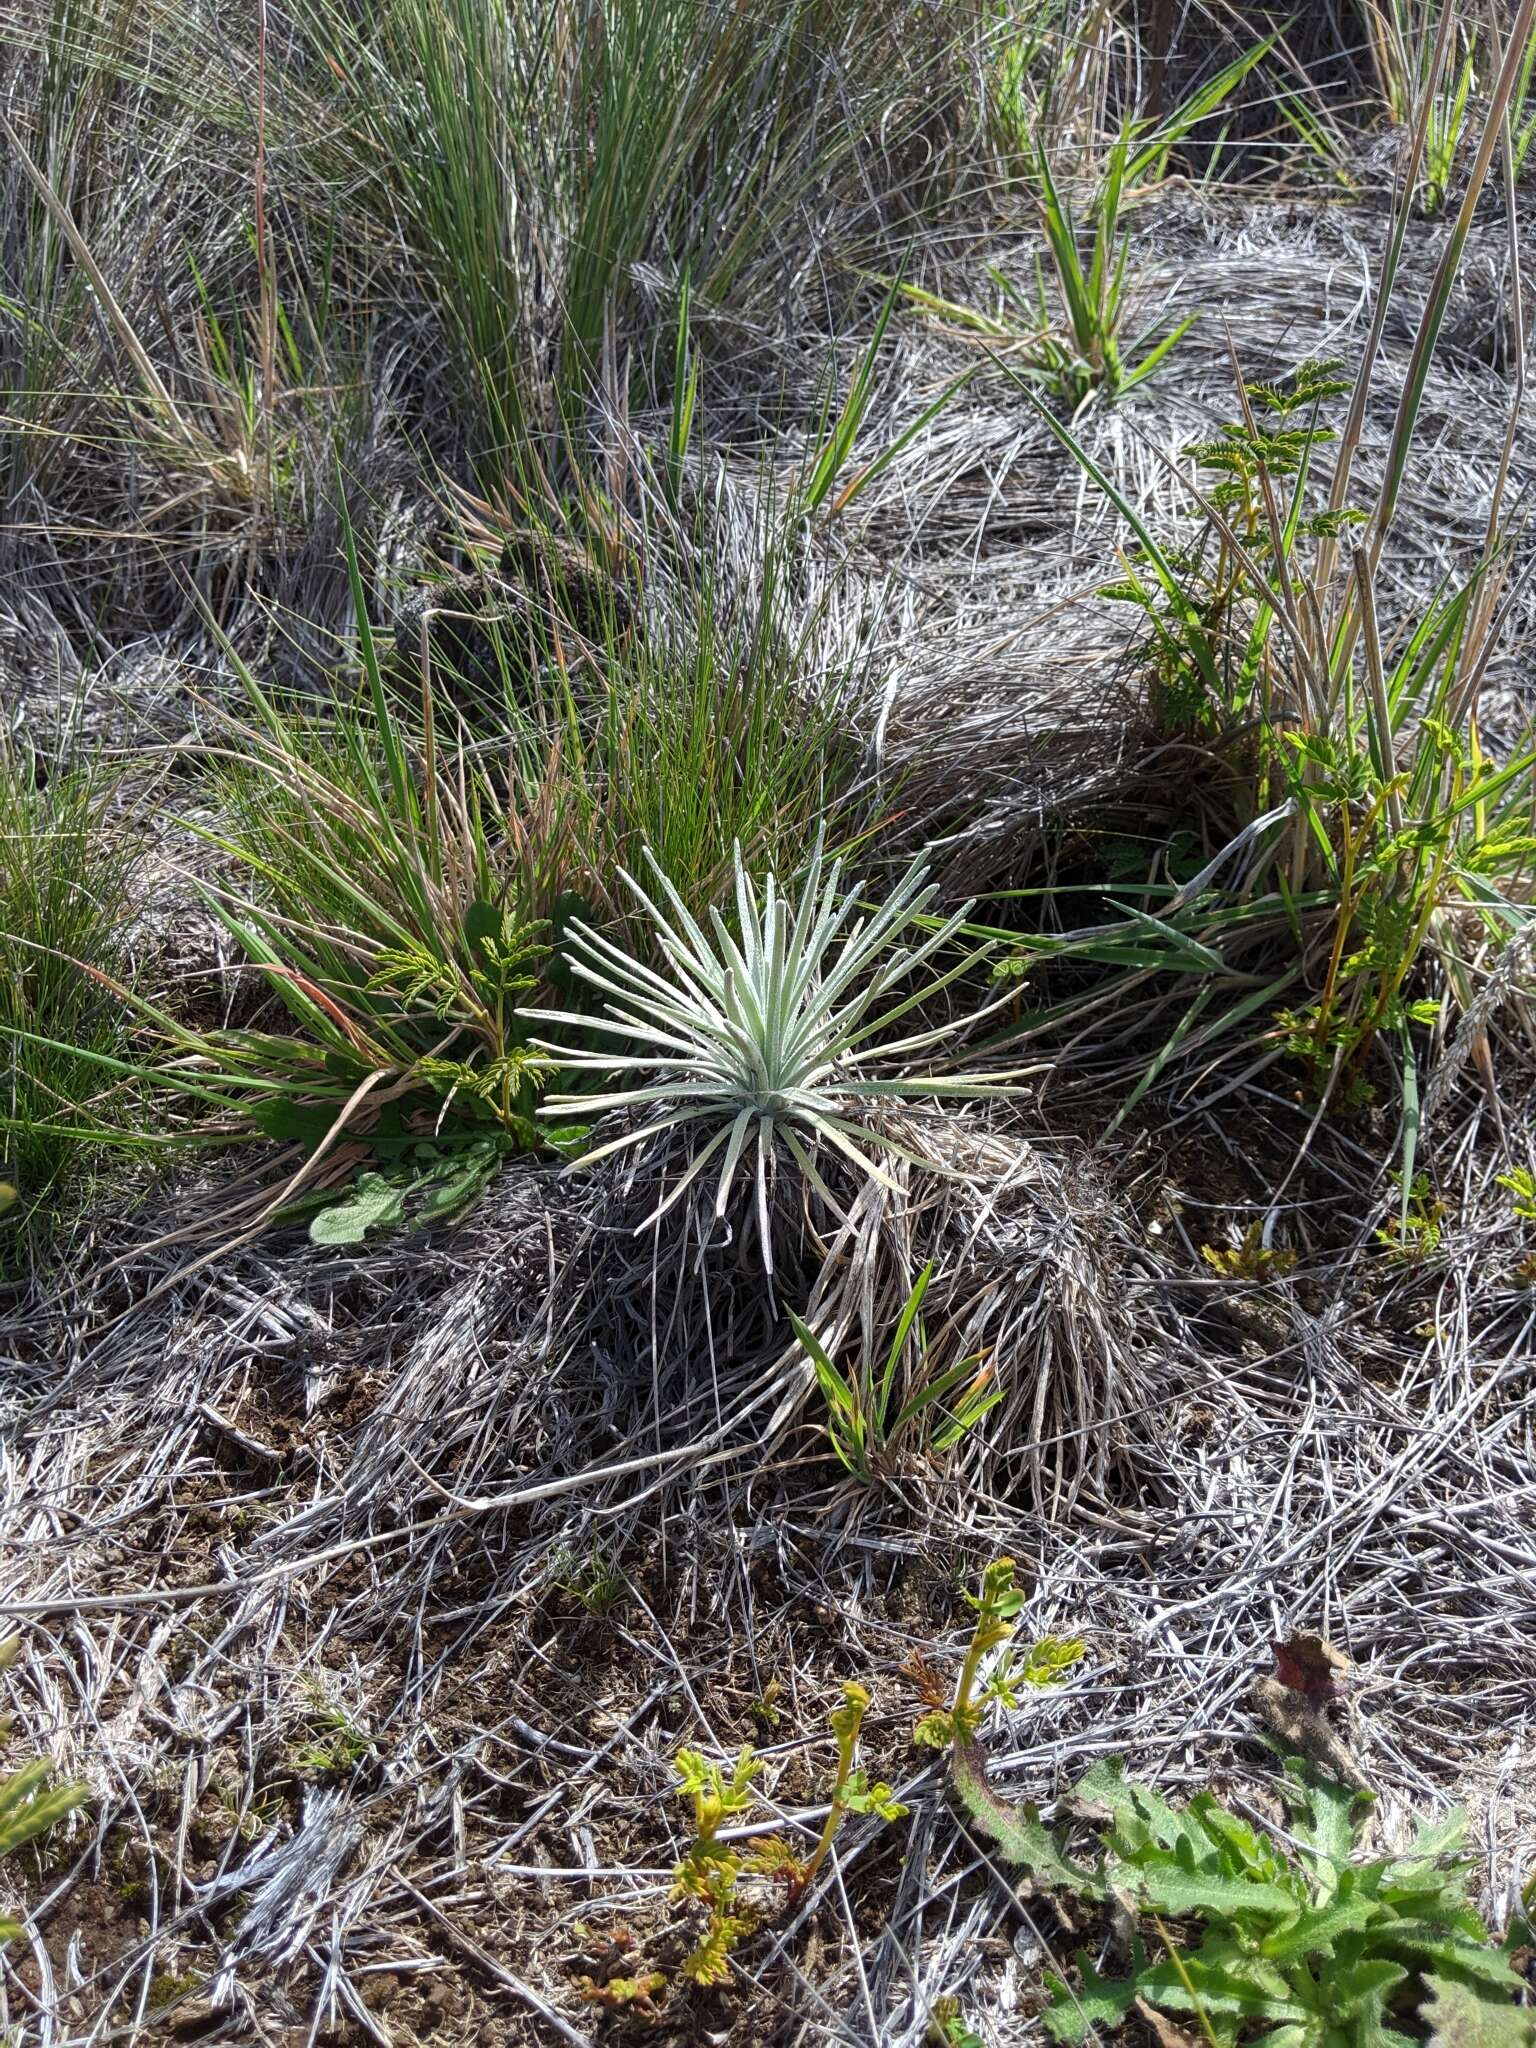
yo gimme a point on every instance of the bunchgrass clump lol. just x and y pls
(64, 873)
(534, 158)
(403, 915)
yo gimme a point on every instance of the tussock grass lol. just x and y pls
(410, 871)
(64, 897)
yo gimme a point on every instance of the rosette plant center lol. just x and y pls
(782, 1029)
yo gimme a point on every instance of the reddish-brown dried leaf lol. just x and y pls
(1312, 1667)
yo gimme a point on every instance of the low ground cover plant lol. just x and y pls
(1296, 1935)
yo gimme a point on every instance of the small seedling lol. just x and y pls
(869, 1431)
(593, 1581)
(946, 2028)
(338, 1742)
(708, 1870)
(28, 1805)
(765, 1709)
(1045, 1663)
(1414, 1231)
(637, 1994)
(250, 1819)
(851, 1789)
(1249, 1259)
(1445, 125)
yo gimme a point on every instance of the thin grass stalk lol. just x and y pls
(265, 261)
(1391, 261)
(1406, 421)
(154, 387)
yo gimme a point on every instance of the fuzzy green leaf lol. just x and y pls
(1099, 2003)
(1139, 1813)
(456, 1183)
(1462, 2015)
(374, 1204)
(1169, 1887)
(1221, 1980)
(1318, 1928)
(1018, 1830)
(1321, 1813)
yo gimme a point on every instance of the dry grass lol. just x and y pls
(373, 1591)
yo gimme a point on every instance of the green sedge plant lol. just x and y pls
(1023, 49)
(1403, 36)
(64, 903)
(1069, 335)
(1070, 329)
(1096, 356)
(1449, 114)
(881, 1412)
(1398, 33)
